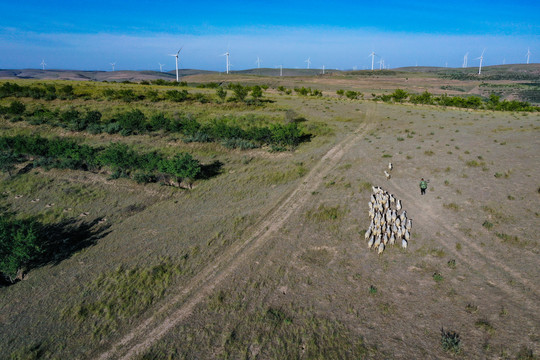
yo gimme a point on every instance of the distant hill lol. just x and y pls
(495, 72)
(498, 72)
(120, 75)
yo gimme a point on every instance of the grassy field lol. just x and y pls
(266, 258)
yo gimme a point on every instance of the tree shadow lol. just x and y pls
(59, 242)
(210, 170)
(63, 239)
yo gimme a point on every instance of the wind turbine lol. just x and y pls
(43, 63)
(381, 63)
(465, 58)
(372, 59)
(258, 62)
(280, 70)
(228, 63)
(528, 54)
(481, 58)
(308, 61)
(323, 69)
(113, 64)
(176, 56)
(161, 67)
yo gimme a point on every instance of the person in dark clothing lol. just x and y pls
(423, 186)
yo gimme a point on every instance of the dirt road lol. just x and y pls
(155, 327)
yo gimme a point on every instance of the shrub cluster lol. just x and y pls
(47, 91)
(470, 102)
(136, 122)
(308, 91)
(65, 92)
(120, 158)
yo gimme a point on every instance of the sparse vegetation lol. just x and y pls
(450, 341)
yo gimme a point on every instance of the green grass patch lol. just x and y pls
(325, 213)
(364, 186)
(451, 206)
(438, 277)
(120, 295)
(487, 225)
(485, 325)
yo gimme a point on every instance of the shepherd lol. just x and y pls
(423, 186)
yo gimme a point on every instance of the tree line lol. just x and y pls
(471, 102)
(123, 160)
(51, 92)
(278, 136)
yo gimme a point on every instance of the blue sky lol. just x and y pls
(138, 34)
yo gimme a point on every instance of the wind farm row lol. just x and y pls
(383, 65)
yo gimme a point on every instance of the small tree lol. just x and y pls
(399, 95)
(16, 108)
(340, 92)
(181, 166)
(19, 244)
(221, 93)
(256, 93)
(240, 92)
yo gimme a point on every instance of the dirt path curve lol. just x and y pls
(156, 326)
(481, 260)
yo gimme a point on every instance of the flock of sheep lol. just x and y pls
(387, 226)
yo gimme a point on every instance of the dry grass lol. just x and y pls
(313, 290)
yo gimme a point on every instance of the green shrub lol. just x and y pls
(16, 108)
(177, 96)
(450, 341)
(18, 245)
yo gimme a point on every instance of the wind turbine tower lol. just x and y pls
(481, 58)
(161, 67)
(258, 62)
(113, 64)
(308, 62)
(228, 64)
(323, 69)
(372, 59)
(43, 64)
(176, 56)
(465, 58)
(528, 54)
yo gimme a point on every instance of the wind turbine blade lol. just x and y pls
(180, 50)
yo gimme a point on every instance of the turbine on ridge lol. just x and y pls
(176, 55)
(481, 58)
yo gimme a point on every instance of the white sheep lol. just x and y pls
(378, 240)
(371, 241)
(404, 243)
(398, 205)
(408, 226)
(403, 216)
(387, 175)
(392, 240)
(381, 248)
(390, 166)
(368, 233)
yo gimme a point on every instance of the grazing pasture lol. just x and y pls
(184, 223)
